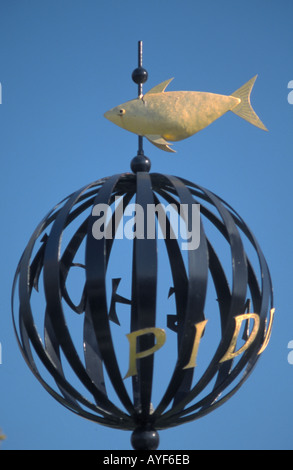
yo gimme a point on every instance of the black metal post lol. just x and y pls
(140, 65)
(140, 76)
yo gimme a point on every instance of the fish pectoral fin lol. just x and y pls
(159, 142)
(159, 88)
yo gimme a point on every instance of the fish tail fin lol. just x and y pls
(244, 108)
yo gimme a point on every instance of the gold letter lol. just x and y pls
(133, 355)
(230, 354)
(199, 331)
(268, 333)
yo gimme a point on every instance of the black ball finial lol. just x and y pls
(139, 75)
(145, 439)
(140, 163)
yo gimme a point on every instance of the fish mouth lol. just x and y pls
(107, 115)
(115, 117)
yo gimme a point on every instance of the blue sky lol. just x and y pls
(62, 65)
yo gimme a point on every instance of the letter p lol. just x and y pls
(160, 336)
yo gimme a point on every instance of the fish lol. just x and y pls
(165, 117)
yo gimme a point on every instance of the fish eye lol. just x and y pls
(121, 112)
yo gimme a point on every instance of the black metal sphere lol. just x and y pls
(71, 344)
(145, 439)
(139, 75)
(140, 163)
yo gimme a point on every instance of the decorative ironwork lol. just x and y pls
(84, 373)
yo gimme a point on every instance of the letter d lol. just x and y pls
(231, 353)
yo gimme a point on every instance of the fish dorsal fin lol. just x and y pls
(160, 88)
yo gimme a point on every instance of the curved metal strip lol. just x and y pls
(177, 266)
(95, 260)
(197, 284)
(66, 263)
(116, 217)
(144, 295)
(92, 354)
(180, 290)
(53, 349)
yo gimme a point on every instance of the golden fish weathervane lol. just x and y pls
(172, 116)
